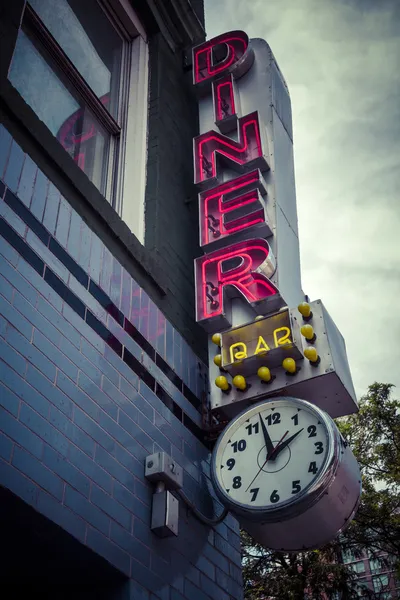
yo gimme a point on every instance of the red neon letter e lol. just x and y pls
(226, 53)
(231, 209)
(242, 269)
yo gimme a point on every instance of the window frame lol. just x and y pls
(124, 186)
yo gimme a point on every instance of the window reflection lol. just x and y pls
(88, 39)
(72, 123)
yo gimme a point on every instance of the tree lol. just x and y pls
(374, 435)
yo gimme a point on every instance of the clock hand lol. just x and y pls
(267, 459)
(286, 443)
(267, 439)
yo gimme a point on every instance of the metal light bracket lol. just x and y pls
(167, 475)
(161, 467)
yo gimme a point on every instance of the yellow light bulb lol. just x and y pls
(222, 383)
(304, 309)
(307, 331)
(289, 365)
(239, 382)
(311, 354)
(264, 374)
(218, 360)
(216, 338)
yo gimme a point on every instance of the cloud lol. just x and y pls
(341, 61)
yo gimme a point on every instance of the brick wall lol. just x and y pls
(172, 223)
(93, 379)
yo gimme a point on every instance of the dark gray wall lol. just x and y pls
(171, 198)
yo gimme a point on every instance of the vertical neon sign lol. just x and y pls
(234, 207)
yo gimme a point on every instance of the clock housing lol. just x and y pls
(284, 469)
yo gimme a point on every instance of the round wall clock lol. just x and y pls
(284, 469)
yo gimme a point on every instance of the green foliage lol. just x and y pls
(374, 435)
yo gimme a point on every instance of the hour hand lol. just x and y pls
(285, 443)
(267, 439)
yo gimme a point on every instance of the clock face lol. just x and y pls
(272, 454)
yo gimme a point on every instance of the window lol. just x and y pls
(358, 567)
(380, 583)
(78, 65)
(376, 564)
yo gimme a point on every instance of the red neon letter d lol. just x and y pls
(226, 53)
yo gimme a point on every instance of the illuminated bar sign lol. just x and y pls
(266, 342)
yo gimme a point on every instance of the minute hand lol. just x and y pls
(268, 442)
(285, 444)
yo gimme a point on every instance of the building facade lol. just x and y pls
(102, 363)
(375, 574)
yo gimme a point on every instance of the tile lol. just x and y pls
(5, 145)
(25, 215)
(65, 294)
(71, 431)
(58, 321)
(40, 474)
(97, 396)
(69, 262)
(11, 218)
(53, 394)
(104, 333)
(89, 468)
(14, 166)
(6, 447)
(47, 256)
(144, 314)
(105, 301)
(20, 434)
(88, 300)
(17, 483)
(8, 399)
(17, 281)
(51, 209)
(63, 221)
(117, 471)
(106, 271)
(84, 247)
(21, 247)
(153, 324)
(53, 354)
(139, 338)
(26, 183)
(8, 252)
(74, 236)
(85, 509)
(111, 507)
(135, 304)
(39, 195)
(100, 362)
(15, 318)
(96, 258)
(43, 429)
(126, 292)
(116, 282)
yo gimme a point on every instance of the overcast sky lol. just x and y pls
(341, 60)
